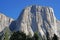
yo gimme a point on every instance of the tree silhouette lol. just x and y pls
(18, 36)
(22, 36)
(55, 37)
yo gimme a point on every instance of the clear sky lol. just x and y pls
(13, 8)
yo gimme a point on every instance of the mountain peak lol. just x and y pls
(32, 19)
(37, 18)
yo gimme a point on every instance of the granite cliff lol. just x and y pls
(4, 21)
(33, 19)
(38, 19)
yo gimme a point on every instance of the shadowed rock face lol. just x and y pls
(33, 19)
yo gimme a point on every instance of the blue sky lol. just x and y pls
(13, 8)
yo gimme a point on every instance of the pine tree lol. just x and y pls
(6, 37)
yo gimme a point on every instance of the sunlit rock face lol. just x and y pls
(58, 27)
(37, 19)
(4, 21)
(33, 19)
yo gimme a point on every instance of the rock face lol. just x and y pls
(33, 19)
(58, 27)
(4, 21)
(37, 19)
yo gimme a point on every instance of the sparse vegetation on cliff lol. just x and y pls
(21, 36)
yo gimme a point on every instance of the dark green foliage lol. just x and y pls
(18, 36)
(6, 33)
(36, 36)
(6, 37)
(21, 36)
(29, 38)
